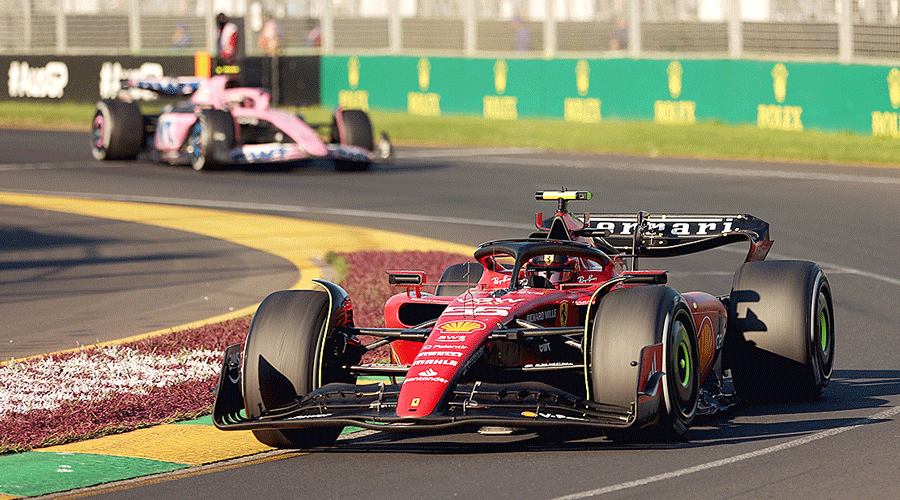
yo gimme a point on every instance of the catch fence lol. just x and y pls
(844, 31)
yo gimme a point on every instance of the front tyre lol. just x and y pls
(352, 127)
(780, 341)
(117, 132)
(210, 139)
(285, 358)
(627, 321)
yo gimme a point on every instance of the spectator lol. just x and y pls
(269, 37)
(180, 38)
(314, 37)
(522, 35)
(227, 44)
(619, 41)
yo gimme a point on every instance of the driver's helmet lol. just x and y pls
(560, 268)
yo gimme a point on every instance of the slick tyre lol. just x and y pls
(352, 127)
(780, 341)
(210, 139)
(627, 321)
(284, 359)
(117, 131)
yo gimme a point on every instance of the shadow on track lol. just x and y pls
(850, 390)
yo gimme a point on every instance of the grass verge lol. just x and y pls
(700, 140)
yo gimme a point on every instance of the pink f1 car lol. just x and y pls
(223, 124)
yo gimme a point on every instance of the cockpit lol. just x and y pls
(539, 263)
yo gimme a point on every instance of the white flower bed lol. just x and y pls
(44, 384)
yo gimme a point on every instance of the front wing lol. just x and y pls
(287, 152)
(372, 406)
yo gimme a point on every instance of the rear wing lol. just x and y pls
(173, 86)
(672, 235)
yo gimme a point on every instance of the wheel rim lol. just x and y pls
(682, 358)
(684, 364)
(196, 146)
(823, 335)
(99, 138)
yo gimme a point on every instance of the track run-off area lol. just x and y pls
(270, 229)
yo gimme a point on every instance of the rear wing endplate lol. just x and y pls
(672, 235)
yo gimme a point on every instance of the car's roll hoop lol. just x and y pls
(523, 250)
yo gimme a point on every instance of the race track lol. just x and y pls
(844, 445)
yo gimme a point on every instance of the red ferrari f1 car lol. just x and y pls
(223, 124)
(556, 329)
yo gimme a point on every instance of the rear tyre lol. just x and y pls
(210, 139)
(355, 129)
(285, 357)
(780, 341)
(627, 320)
(117, 130)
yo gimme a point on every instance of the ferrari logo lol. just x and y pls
(563, 314)
(706, 339)
(414, 403)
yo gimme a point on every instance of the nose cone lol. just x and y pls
(447, 351)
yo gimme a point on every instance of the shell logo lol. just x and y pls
(462, 326)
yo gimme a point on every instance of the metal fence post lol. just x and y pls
(134, 27)
(394, 28)
(549, 30)
(61, 36)
(470, 28)
(327, 27)
(845, 33)
(211, 31)
(634, 28)
(26, 21)
(735, 33)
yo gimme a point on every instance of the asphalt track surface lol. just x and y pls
(844, 445)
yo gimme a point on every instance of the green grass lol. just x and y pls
(701, 140)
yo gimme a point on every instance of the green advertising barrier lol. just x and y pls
(772, 95)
